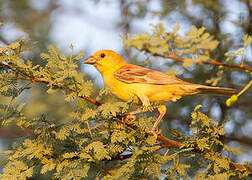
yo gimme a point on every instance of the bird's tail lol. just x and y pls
(218, 91)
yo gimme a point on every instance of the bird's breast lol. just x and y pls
(122, 90)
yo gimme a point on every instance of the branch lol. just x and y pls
(249, 26)
(14, 133)
(175, 144)
(124, 7)
(35, 79)
(213, 62)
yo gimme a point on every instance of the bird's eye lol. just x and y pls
(102, 55)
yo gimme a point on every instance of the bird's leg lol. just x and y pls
(162, 111)
(135, 112)
(131, 114)
(145, 101)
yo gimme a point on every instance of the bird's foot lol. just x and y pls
(155, 133)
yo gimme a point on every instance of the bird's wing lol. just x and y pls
(136, 74)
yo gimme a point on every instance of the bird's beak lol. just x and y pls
(90, 60)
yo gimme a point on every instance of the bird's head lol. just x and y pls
(105, 60)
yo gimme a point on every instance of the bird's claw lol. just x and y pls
(154, 133)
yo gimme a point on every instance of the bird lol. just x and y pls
(145, 85)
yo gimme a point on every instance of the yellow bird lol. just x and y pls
(145, 85)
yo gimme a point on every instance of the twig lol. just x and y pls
(10, 134)
(105, 170)
(35, 79)
(175, 144)
(213, 62)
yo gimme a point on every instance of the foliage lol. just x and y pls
(196, 46)
(99, 141)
